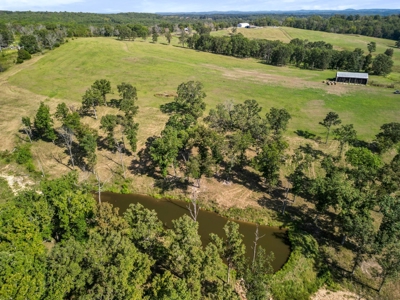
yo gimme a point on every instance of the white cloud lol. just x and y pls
(29, 4)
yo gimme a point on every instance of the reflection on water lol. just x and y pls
(274, 239)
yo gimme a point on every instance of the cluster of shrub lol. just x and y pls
(302, 53)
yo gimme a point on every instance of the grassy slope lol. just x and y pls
(66, 72)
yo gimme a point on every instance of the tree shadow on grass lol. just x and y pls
(142, 163)
(307, 135)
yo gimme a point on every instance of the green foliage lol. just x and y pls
(363, 158)
(389, 136)
(189, 100)
(44, 123)
(104, 88)
(164, 150)
(23, 54)
(167, 286)
(29, 43)
(88, 144)
(346, 134)
(278, 119)
(257, 275)
(146, 228)
(185, 254)
(62, 111)
(389, 52)
(22, 255)
(268, 161)
(382, 65)
(23, 156)
(331, 119)
(5, 191)
(298, 278)
(371, 47)
(91, 99)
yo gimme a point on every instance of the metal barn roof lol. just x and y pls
(352, 75)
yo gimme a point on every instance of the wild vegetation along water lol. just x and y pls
(274, 239)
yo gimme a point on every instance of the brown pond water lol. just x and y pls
(274, 239)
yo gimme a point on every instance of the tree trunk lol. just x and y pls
(355, 263)
(122, 163)
(70, 154)
(284, 206)
(28, 134)
(316, 218)
(95, 113)
(382, 283)
(327, 135)
(343, 239)
(229, 271)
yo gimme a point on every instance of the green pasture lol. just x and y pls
(66, 72)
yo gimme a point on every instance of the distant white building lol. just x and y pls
(243, 25)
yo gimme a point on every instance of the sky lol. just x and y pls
(114, 6)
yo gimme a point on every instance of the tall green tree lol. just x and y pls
(331, 119)
(232, 249)
(371, 47)
(91, 99)
(164, 150)
(278, 119)
(44, 123)
(345, 134)
(104, 88)
(186, 253)
(269, 160)
(188, 102)
(382, 65)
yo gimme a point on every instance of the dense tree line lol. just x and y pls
(371, 25)
(302, 53)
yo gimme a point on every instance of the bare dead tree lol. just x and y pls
(193, 206)
(67, 136)
(256, 238)
(100, 185)
(26, 121)
(51, 39)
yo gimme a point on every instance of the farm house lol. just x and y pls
(243, 25)
(352, 77)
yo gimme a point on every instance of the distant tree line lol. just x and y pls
(301, 53)
(387, 27)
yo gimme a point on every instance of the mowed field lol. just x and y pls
(65, 73)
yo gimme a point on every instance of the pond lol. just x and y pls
(274, 239)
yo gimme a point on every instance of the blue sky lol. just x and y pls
(113, 6)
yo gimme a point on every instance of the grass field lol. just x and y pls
(68, 71)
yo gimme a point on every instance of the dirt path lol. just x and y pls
(324, 294)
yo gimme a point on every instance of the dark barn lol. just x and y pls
(352, 77)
